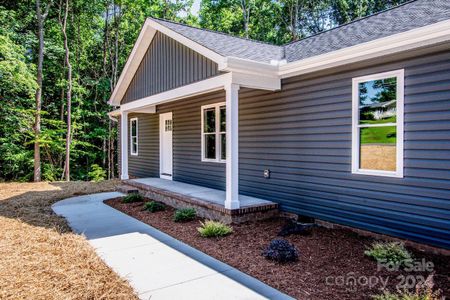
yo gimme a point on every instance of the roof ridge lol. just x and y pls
(351, 22)
(219, 32)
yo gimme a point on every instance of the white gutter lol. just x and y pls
(415, 38)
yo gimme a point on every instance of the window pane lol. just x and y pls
(223, 145)
(378, 148)
(223, 119)
(209, 120)
(133, 128)
(378, 101)
(210, 146)
(134, 145)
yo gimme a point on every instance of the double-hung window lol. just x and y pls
(134, 142)
(377, 125)
(214, 132)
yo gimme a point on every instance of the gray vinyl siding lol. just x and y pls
(303, 135)
(187, 164)
(167, 65)
(146, 163)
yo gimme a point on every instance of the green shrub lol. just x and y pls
(184, 215)
(423, 291)
(97, 173)
(131, 198)
(154, 206)
(389, 253)
(409, 296)
(214, 229)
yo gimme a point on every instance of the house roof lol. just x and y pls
(227, 45)
(399, 19)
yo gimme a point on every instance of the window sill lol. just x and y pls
(378, 173)
(213, 161)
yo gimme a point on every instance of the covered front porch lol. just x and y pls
(208, 202)
(159, 105)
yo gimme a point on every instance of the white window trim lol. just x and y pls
(218, 133)
(400, 74)
(137, 137)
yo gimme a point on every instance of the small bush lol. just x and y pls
(131, 198)
(389, 253)
(97, 173)
(293, 227)
(154, 206)
(281, 251)
(423, 291)
(184, 215)
(214, 229)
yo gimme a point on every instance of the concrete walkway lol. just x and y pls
(156, 265)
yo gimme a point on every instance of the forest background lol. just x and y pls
(61, 59)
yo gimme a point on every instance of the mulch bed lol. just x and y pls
(326, 255)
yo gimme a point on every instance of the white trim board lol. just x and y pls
(137, 136)
(162, 118)
(400, 75)
(217, 132)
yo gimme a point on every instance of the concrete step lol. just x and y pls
(126, 189)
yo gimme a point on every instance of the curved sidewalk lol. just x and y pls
(156, 265)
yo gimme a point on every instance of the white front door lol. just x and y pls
(165, 145)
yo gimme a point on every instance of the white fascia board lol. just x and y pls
(246, 66)
(420, 37)
(260, 82)
(205, 86)
(219, 59)
(134, 60)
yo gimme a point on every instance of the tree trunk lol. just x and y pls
(69, 94)
(37, 120)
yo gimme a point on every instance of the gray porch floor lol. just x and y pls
(200, 192)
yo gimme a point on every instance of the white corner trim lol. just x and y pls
(217, 132)
(419, 37)
(131, 136)
(400, 74)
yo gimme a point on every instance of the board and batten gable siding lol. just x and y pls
(168, 64)
(303, 135)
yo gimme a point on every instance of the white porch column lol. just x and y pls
(124, 145)
(232, 149)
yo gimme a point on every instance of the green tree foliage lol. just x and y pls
(101, 35)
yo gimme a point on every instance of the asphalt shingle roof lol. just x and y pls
(408, 16)
(227, 45)
(405, 17)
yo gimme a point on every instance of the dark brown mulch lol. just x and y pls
(325, 256)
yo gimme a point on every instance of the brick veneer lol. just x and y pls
(204, 208)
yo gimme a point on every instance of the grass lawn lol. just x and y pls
(379, 135)
(40, 258)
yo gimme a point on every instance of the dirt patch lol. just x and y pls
(325, 255)
(40, 258)
(379, 157)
